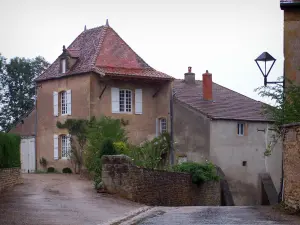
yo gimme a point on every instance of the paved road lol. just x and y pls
(58, 199)
(213, 215)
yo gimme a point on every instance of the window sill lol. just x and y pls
(64, 158)
(122, 113)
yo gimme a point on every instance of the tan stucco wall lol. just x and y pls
(292, 44)
(228, 151)
(80, 86)
(86, 90)
(140, 127)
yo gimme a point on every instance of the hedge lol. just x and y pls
(9, 150)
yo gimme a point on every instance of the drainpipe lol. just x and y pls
(35, 125)
(172, 129)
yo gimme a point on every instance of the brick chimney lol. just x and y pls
(189, 77)
(207, 86)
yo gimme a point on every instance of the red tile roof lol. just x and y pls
(226, 104)
(101, 50)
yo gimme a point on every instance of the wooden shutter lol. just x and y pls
(115, 100)
(138, 101)
(55, 147)
(69, 145)
(69, 102)
(55, 103)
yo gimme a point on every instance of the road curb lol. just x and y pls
(127, 216)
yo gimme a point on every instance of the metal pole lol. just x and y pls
(172, 130)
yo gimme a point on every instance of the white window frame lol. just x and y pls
(163, 123)
(241, 129)
(64, 103)
(125, 106)
(63, 66)
(65, 146)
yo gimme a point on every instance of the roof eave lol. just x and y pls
(290, 5)
(247, 120)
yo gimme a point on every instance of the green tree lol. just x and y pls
(17, 87)
(286, 107)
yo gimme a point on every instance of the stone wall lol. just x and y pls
(9, 178)
(291, 166)
(153, 187)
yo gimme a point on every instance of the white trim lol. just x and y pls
(55, 103)
(138, 101)
(69, 102)
(55, 149)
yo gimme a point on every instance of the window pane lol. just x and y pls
(63, 103)
(163, 125)
(122, 101)
(242, 129)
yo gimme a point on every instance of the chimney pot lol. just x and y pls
(207, 86)
(189, 77)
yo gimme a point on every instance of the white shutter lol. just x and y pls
(115, 100)
(55, 103)
(55, 147)
(69, 102)
(69, 145)
(157, 127)
(138, 101)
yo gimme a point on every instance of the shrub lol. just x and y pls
(67, 170)
(200, 172)
(9, 150)
(50, 170)
(122, 148)
(108, 148)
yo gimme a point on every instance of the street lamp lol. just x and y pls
(262, 61)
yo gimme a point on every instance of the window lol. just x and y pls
(65, 146)
(64, 104)
(162, 125)
(63, 65)
(241, 129)
(125, 99)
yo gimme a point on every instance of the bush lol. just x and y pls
(67, 170)
(200, 172)
(9, 150)
(50, 170)
(108, 148)
(122, 148)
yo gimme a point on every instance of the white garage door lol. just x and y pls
(28, 155)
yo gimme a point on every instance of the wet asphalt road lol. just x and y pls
(58, 199)
(216, 215)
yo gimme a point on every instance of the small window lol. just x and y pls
(64, 103)
(241, 129)
(65, 146)
(63, 65)
(125, 100)
(162, 125)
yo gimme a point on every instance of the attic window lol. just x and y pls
(63, 65)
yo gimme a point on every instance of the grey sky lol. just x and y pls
(222, 36)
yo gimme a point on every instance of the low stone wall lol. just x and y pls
(291, 165)
(9, 178)
(154, 187)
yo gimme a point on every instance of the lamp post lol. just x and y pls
(261, 62)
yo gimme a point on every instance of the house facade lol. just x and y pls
(217, 124)
(98, 74)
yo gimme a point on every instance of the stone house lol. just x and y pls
(214, 123)
(98, 74)
(291, 169)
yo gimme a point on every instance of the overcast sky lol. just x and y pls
(222, 36)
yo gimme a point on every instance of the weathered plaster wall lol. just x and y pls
(291, 166)
(140, 127)
(191, 133)
(27, 128)
(153, 187)
(292, 44)
(228, 151)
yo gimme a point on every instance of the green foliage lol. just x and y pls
(9, 150)
(17, 88)
(122, 148)
(43, 162)
(152, 154)
(286, 107)
(108, 148)
(51, 170)
(67, 170)
(200, 172)
(78, 130)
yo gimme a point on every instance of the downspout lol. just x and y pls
(35, 125)
(172, 129)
